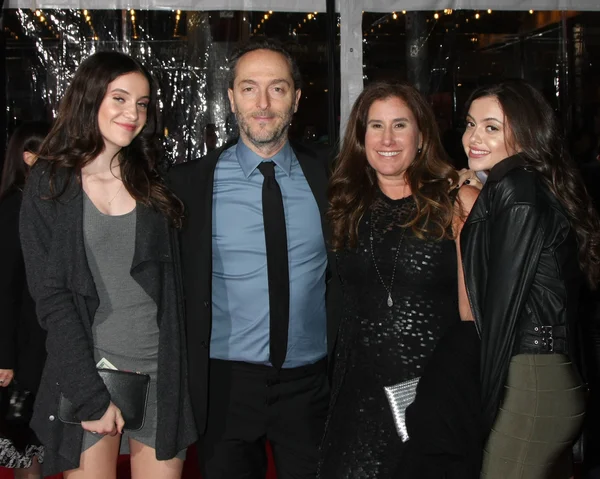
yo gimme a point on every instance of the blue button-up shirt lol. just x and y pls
(240, 291)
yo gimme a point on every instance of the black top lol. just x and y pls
(444, 421)
(22, 339)
(381, 345)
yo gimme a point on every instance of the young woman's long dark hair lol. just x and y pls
(534, 131)
(27, 137)
(354, 181)
(75, 139)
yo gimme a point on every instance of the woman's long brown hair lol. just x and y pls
(354, 182)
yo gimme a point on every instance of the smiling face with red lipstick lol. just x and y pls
(123, 111)
(487, 139)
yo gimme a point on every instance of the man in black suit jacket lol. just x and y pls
(241, 395)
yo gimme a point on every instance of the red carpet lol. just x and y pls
(190, 468)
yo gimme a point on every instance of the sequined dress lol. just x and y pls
(379, 345)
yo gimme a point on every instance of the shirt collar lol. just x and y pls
(249, 160)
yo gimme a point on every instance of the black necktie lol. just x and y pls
(277, 264)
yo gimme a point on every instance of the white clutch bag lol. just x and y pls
(400, 396)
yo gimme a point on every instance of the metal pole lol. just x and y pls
(565, 91)
(3, 110)
(332, 93)
(416, 51)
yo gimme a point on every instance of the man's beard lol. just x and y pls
(266, 137)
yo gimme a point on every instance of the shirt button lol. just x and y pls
(203, 344)
(51, 418)
(206, 304)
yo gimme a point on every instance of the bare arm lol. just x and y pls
(467, 195)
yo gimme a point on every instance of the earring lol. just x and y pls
(419, 150)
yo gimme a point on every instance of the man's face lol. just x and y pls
(263, 98)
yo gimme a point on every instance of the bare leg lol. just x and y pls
(99, 461)
(32, 472)
(144, 464)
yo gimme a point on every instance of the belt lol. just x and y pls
(271, 374)
(544, 340)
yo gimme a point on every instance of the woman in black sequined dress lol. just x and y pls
(394, 219)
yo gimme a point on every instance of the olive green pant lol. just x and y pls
(540, 418)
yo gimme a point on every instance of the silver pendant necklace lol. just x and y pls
(390, 301)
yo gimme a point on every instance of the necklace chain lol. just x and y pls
(390, 301)
(118, 191)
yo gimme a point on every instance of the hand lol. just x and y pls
(468, 177)
(110, 423)
(6, 376)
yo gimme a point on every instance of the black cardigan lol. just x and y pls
(22, 340)
(66, 299)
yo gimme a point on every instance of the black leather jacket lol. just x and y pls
(522, 274)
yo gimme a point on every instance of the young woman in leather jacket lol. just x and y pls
(531, 239)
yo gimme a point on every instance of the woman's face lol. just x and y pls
(392, 138)
(123, 111)
(487, 136)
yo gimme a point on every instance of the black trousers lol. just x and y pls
(250, 404)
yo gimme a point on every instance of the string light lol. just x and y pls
(477, 16)
(436, 15)
(531, 12)
(312, 16)
(45, 21)
(394, 16)
(177, 18)
(133, 26)
(88, 18)
(11, 33)
(489, 10)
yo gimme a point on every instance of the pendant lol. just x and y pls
(390, 303)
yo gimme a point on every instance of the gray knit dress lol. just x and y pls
(125, 327)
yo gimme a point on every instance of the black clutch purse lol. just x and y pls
(128, 391)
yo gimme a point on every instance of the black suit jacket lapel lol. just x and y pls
(193, 183)
(315, 172)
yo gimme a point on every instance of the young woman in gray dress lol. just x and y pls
(96, 231)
